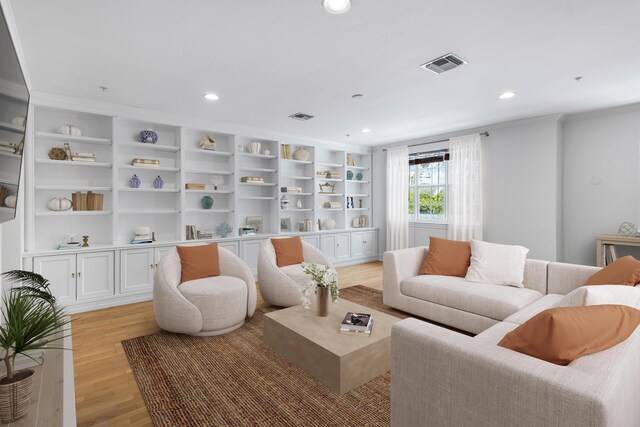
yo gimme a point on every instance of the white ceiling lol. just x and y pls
(269, 59)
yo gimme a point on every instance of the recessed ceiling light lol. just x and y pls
(336, 6)
(211, 96)
(507, 95)
(365, 130)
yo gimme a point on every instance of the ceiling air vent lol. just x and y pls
(301, 116)
(444, 63)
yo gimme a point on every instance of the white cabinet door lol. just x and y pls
(250, 251)
(136, 270)
(328, 245)
(370, 243)
(313, 240)
(343, 251)
(231, 246)
(60, 270)
(160, 252)
(357, 245)
(95, 275)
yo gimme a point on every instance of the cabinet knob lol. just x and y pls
(337, 244)
(73, 275)
(364, 241)
(79, 272)
(151, 266)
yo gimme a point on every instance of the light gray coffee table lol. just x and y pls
(315, 344)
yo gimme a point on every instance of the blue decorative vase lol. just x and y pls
(134, 182)
(158, 182)
(148, 136)
(359, 176)
(206, 202)
(349, 175)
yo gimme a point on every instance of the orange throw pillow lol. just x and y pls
(199, 262)
(561, 335)
(288, 251)
(623, 271)
(447, 258)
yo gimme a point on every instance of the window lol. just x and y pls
(428, 186)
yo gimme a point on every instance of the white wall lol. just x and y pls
(601, 178)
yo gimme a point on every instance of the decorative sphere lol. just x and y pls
(627, 229)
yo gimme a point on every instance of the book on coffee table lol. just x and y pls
(364, 333)
(359, 323)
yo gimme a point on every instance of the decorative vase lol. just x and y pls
(349, 175)
(70, 130)
(299, 204)
(59, 204)
(158, 182)
(322, 302)
(148, 136)
(301, 154)
(11, 201)
(266, 152)
(284, 203)
(15, 398)
(206, 202)
(254, 146)
(329, 224)
(359, 176)
(134, 182)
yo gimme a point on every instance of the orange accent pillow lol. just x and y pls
(446, 258)
(561, 335)
(623, 271)
(199, 261)
(288, 251)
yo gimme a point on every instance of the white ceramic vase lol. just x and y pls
(254, 146)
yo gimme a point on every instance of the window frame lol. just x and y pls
(416, 187)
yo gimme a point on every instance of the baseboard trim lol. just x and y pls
(81, 307)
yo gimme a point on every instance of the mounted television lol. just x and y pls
(14, 103)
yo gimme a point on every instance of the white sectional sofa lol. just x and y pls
(444, 378)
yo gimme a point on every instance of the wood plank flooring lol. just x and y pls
(106, 390)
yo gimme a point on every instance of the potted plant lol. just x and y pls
(31, 321)
(323, 282)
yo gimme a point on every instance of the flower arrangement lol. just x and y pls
(322, 277)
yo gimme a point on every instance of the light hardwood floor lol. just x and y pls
(106, 390)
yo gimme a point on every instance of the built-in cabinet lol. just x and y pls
(336, 246)
(137, 268)
(364, 244)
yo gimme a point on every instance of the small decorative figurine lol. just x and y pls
(85, 241)
(360, 203)
(266, 152)
(284, 203)
(207, 143)
(149, 136)
(216, 180)
(134, 182)
(299, 204)
(153, 236)
(158, 182)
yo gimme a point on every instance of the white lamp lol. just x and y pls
(337, 6)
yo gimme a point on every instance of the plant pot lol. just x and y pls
(15, 398)
(322, 302)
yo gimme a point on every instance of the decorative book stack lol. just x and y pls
(357, 324)
(83, 157)
(291, 189)
(252, 179)
(204, 234)
(194, 186)
(147, 163)
(146, 238)
(285, 151)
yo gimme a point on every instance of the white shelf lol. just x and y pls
(148, 146)
(210, 152)
(10, 155)
(258, 170)
(358, 168)
(357, 182)
(358, 195)
(300, 162)
(6, 209)
(296, 210)
(149, 168)
(296, 194)
(260, 184)
(263, 156)
(329, 179)
(330, 194)
(8, 181)
(72, 213)
(330, 209)
(70, 138)
(149, 211)
(71, 188)
(11, 127)
(330, 165)
(257, 198)
(208, 191)
(72, 163)
(207, 172)
(357, 209)
(297, 177)
(201, 210)
(149, 190)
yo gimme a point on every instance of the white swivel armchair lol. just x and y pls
(282, 286)
(210, 306)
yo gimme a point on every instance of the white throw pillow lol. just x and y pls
(602, 294)
(497, 264)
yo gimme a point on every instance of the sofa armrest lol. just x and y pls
(443, 378)
(398, 266)
(563, 277)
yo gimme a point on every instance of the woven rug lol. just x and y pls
(235, 380)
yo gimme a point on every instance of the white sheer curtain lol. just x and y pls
(465, 188)
(397, 198)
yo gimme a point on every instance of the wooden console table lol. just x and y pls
(612, 239)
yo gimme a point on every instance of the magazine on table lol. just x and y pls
(358, 323)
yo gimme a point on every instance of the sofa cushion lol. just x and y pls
(623, 271)
(446, 258)
(288, 251)
(601, 294)
(534, 308)
(497, 264)
(222, 300)
(199, 261)
(493, 301)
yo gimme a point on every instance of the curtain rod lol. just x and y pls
(434, 142)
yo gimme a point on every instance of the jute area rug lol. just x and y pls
(235, 380)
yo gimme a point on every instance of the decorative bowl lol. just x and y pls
(148, 136)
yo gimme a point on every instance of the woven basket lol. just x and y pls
(15, 398)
